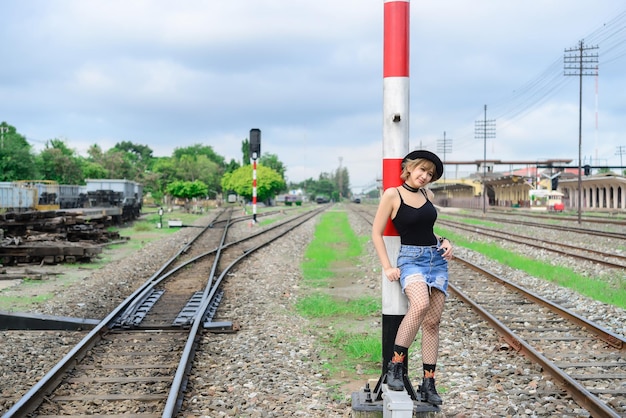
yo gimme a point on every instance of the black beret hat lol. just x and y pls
(427, 155)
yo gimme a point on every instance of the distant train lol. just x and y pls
(41, 195)
(548, 199)
(289, 199)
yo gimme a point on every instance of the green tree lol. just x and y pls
(198, 149)
(269, 182)
(93, 164)
(245, 150)
(92, 170)
(138, 159)
(272, 161)
(166, 168)
(142, 154)
(120, 165)
(59, 163)
(17, 161)
(116, 163)
(325, 186)
(187, 189)
(198, 167)
(231, 166)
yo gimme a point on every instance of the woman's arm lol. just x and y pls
(385, 209)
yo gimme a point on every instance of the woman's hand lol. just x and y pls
(392, 273)
(446, 247)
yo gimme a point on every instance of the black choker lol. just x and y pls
(409, 188)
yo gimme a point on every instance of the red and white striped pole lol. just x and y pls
(254, 189)
(255, 152)
(395, 147)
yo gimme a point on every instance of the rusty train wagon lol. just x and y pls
(121, 193)
(41, 195)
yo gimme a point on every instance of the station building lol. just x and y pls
(599, 192)
(540, 185)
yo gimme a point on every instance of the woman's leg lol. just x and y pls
(430, 347)
(417, 293)
(430, 327)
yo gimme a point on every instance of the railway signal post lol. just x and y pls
(255, 152)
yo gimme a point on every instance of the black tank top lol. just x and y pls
(415, 225)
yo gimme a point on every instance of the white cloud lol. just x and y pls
(309, 75)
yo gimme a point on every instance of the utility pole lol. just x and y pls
(444, 146)
(485, 129)
(579, 62)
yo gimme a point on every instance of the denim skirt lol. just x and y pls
(426, 262)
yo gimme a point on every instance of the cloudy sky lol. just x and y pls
(171, 74)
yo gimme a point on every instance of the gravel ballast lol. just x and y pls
(273, 366)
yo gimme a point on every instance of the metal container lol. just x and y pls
(14, 197)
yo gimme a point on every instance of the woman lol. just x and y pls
(422, 265)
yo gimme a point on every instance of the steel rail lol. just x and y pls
(176, 394)
(143, 292)
(583, 397)
(579, 393)
(30, 401)
(539, 215)
(605, 335)
(508, 237)
(618, 235)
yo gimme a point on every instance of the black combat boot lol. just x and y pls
(395, 375)
(429, 392)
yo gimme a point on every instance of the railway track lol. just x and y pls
(586, 361)
(613, 260)
(615, 226)
(603, 220)
(137, 360)
(582, 357)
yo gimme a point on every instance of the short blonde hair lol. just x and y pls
(410, 165)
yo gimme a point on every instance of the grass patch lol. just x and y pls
(346, 350)
(10, 302)
(321, 305)
(334, 243)
(606, 289)
(359, 346)
(333, 252)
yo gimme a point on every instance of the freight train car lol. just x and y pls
(24, 195)
(122, 193)
(16, 199)
(72, 196)
(40, 195)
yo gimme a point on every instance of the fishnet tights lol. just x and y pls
(424, 310)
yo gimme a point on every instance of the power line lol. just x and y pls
(548, 83)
